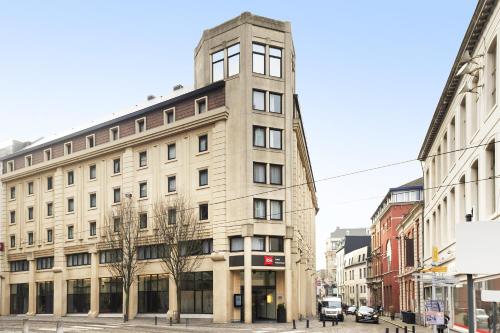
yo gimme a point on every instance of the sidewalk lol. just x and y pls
(399, 323)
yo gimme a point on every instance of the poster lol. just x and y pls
(434, 312)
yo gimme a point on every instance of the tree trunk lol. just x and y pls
(178, 319)
(125, 317)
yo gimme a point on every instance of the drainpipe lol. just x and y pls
(422, 239)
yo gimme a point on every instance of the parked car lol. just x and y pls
(331, 308)
(351, 310)
(365, 314)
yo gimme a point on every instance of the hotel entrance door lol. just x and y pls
(263, 296)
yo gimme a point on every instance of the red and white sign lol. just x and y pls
(268, 260)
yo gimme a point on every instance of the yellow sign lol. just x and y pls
(436, 269)
(435, 254)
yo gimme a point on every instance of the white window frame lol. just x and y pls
(47, 154)
(90, 200)
(11, 166)
(68, 148)
(113, 130)
(197, 104)
(137, 121)
(28, 158)
(87, 141)
(165, 115)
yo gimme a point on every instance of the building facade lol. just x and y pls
(460, 160)
(234, 145)
(383, 282)
(355, 270)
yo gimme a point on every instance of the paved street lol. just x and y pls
(146, 325)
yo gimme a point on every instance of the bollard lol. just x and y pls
(336, 320)
(26, 326)
(59, 327)
(307, 323)
(397, 329)
(406, 329)
(294, 327)
(170, 321)
(387, 330)
(333, 321)
(156, 321)
(413, 329)
(323, 322)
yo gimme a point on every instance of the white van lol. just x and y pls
(331, 307)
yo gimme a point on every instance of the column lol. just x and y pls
(94, 284)
(59, 306)
(172, 298)
(288, 276)
(32, 287)
(133, 301)
(248, 279)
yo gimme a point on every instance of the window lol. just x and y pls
(218, 66)
(45, 297)
(30, 188)
(275, 61)
(172, 216)
(259, 208)
(233, 60)
(92, 172)
(92, 200)
(171, 153)
(78, 295)
(201, 105)
(12, 216)
(492, 74)
(153, 294)
(47, 154)
(116, 224)
(116, 195)
(274, 103)
(44, 263)
(169, 116)
(50, 209)
(110, 256)
(13, 192)
(78, 259)
(12, 241)
(140, 125)
(68, 148)
(203, 143)
(90, 141)
(259, 173)
(143, 159)
(92, 228)
(197, 292)
(28, 160)
(50, 184)
(49, 235)
(116, 166)
(259, 100)
(30, 213)
(154, 251)
(143, 220)
(71, 178)
(490, 173)
(258, 243)
(143, 190)
(10, 166)
(276, 244)
(171, 184)
(236, 244)
(30, 238)
(203, 177)
(276, 209)
(276, 172)
(71, 205)
(203, 208)
(19, 266)
(70, 232)
(259, 136)
(114, 133)
(258, 58)
(274, 138)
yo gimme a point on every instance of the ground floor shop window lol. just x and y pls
(484, 310)
(197, 292)
(153, 293)
(110, 295)
(19, 298)
(45, 297)
(78, 296)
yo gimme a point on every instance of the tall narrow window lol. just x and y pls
(492, 75)
(68, 148)
(93, 200)
(12, 192)
(47, 153)
(475, 190)
(259, 136)
(49, 235)
(172, 216)
(114, 133)
(50, 209)
(276, 209)
(92, 172)
(203, 177)
(30, 238)
(259, 173)
(28, 160)
(275, 138)
(116, 166)
(172, 186)
(274, 103)
(71, 205)
(30, 214)
(12, 216)
(140, 125)
(453, 144)
(201, 105)
(259, 208)
(276, 172)
(275, 61)
(203, 143)
(143, 159)
(490, 173)
(258, 56)
(169, 116)
(31, 188)
(259, 100)
(171, 153)
(218, 66)
(143, 190)
(12, 241)
(116, 195)
(71, 178)
(71, 232)
(463, 124)
(92, 228)
(90, 141)
(203, 210)
(50, 185)
(143, 220)
(233, 60)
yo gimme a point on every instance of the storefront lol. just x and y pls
(197, 293)
(110, 295)
(153, 293)
(19, 298)
(78, 296)
(45, 297)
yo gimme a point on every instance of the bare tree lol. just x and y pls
(122, 239)
(179, 230)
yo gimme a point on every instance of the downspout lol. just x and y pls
(421, 241)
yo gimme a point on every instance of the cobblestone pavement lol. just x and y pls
(146, 325)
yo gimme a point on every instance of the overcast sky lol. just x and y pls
(369, 75)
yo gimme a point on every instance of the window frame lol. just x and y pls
(28, 160)
(205, 136)
(92, 228)
(276, 57)
(72, 200)
(257, 127)
(169, 146)
(119, 191)
(271, 93)
(47, 154)
(143, 163)
(231, 244)
(255, 200)
(143, 220)
(143, 185)
(213, 63)
(233, 55)
(70, 232)
(256, 164)
(31, 238)
(201, 208)
(50, 233)
(94, 168)
(166, 113)
(138, 126)
(259, 237)
(281, 138)
(199, 101)
(201, 173)
(259, 54)
(259, 91)
(169, 178)
(281, 244)
(70, 175)
(50, 209)
(92, 196)
(117, 161)
(271, 210)
(68, 148)
(50, 183)
(90, 141)
(271, 166)
(31, 188)
(112, 131)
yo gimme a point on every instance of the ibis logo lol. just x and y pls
(268, 260)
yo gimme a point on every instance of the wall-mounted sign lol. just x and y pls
(268, 261)
(237, 301)
(236, 261)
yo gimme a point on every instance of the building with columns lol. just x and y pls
(234, 145)
(460, 164)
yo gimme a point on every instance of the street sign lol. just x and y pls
(435, 254)
(436, 269)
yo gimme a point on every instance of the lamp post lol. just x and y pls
(470, 294)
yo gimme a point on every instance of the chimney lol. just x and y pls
(178, 87)
(150, 97)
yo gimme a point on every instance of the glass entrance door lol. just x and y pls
(264, 303)
(45, 297)
(19, 298)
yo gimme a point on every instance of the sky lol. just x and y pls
(369, 76)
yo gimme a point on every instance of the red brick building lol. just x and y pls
(383, 280)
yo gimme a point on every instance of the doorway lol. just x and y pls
(263, 296)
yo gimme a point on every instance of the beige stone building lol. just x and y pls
(235, 145)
